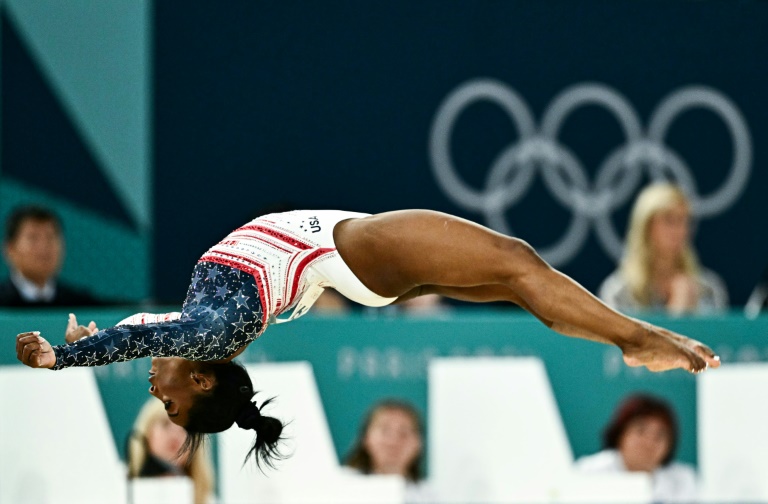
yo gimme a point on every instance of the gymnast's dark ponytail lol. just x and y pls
(268, 430)
(229, 402)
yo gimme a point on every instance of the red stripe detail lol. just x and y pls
(245, 259)
(303, 265)
(290, 240)
(259, 238)
(247, 269)
(286, 286)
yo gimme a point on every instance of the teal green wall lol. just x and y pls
(94, 60)
(95, 56)
(360, 359)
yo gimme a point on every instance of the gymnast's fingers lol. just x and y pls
(24, 338)
(30, 349)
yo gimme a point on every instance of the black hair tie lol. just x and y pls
(249, 416)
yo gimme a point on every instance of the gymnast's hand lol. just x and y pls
(75, 332)
(34, 351)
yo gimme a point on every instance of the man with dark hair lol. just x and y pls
(34, 250)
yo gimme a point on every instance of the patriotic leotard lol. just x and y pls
(239, 286)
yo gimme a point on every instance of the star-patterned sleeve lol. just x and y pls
(148, 318)
(222, 313)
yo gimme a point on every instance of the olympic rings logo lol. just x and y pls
(537, 150)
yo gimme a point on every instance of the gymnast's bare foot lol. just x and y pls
(659, 349)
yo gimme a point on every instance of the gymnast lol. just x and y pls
(272, 269)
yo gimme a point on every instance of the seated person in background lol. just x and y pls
(154, 447)
(758, 300)
(34, 251)
(660, 270)
(430, 304)
(390, 442)
(642, 437)
(331, 302)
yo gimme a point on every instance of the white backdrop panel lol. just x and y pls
(733, 433)
(165, 490)
(55, 440)
(495, 431)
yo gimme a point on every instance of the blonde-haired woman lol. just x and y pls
(154, 447)
(660, 270)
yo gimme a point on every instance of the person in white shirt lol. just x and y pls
(642, 437)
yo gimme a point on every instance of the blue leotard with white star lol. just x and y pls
(222, 313)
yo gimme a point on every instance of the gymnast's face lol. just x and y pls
(177, 382)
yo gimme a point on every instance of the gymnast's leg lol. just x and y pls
(479, 294)
(396, 252)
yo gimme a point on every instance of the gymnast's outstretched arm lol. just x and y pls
(191, 336)
(76, 332)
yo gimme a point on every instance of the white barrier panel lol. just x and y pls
(605, 488)
(495, 432)
(162, 490)
(733, 433)
(336, 488)
(312, 473)
(56, 446)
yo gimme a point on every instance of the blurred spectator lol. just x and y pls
(390, 442)
(331, 302)
(660, 270)
(430, 304)
(758, 300)
(642, 436)
(153, 451)
(34, 251)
